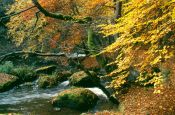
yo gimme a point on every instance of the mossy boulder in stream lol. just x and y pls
(82, 79)
(7, 82)
(47, 81)
(76, 98)
(63, 76)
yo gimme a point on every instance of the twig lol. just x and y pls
(37, 18)
(13, 14)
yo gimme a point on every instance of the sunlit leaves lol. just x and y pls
(146, 38)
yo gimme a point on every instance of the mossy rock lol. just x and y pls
(25, 74)
(83, 80)
(76, 98)
(46, 69)
(46, 81)
(63, 76)
(7, 82)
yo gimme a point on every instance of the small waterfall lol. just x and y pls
(64, 83)
(99, 93)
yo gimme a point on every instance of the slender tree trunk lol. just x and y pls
(118, 9)
(118, 14)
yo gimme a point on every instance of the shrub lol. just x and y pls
(7, 67)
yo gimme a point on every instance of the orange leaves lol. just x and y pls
(87, 62)
(28, 15)
(61, 6)
(97, 8)
(90, 4)
(74, 38)
(54, 40)
(50, 4)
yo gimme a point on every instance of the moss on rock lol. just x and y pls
(7, 82)
(76, 98)
(84, 80)
(63, 76)
(47, 81)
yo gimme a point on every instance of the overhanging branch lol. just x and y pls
(60, 16)
(49, 14)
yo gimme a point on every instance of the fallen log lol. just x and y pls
(69, 56)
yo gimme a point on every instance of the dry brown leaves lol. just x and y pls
(142, 101)
(5, 78)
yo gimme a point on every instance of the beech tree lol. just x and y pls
(145, 43)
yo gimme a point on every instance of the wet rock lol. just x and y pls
(76, 98)
(83, 80)
(63, 76)
(7, 82)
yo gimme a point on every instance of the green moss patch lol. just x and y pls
(84, 80)
(46, 81)
(76, 98)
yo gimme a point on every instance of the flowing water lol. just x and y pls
(29, 99)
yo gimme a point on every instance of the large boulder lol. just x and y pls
(76, 98)
(82, 79)
(46, 81)
(7, 82)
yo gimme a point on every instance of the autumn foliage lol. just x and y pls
(145, 42)
(38, 32)
(143, 50)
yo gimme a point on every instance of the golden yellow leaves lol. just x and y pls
(98, 8)
(119, 81)
(173, 14)
(155, 79)
(147, 27)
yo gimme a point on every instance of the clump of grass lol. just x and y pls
(24, 73)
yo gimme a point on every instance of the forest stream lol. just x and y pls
(29, 99)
